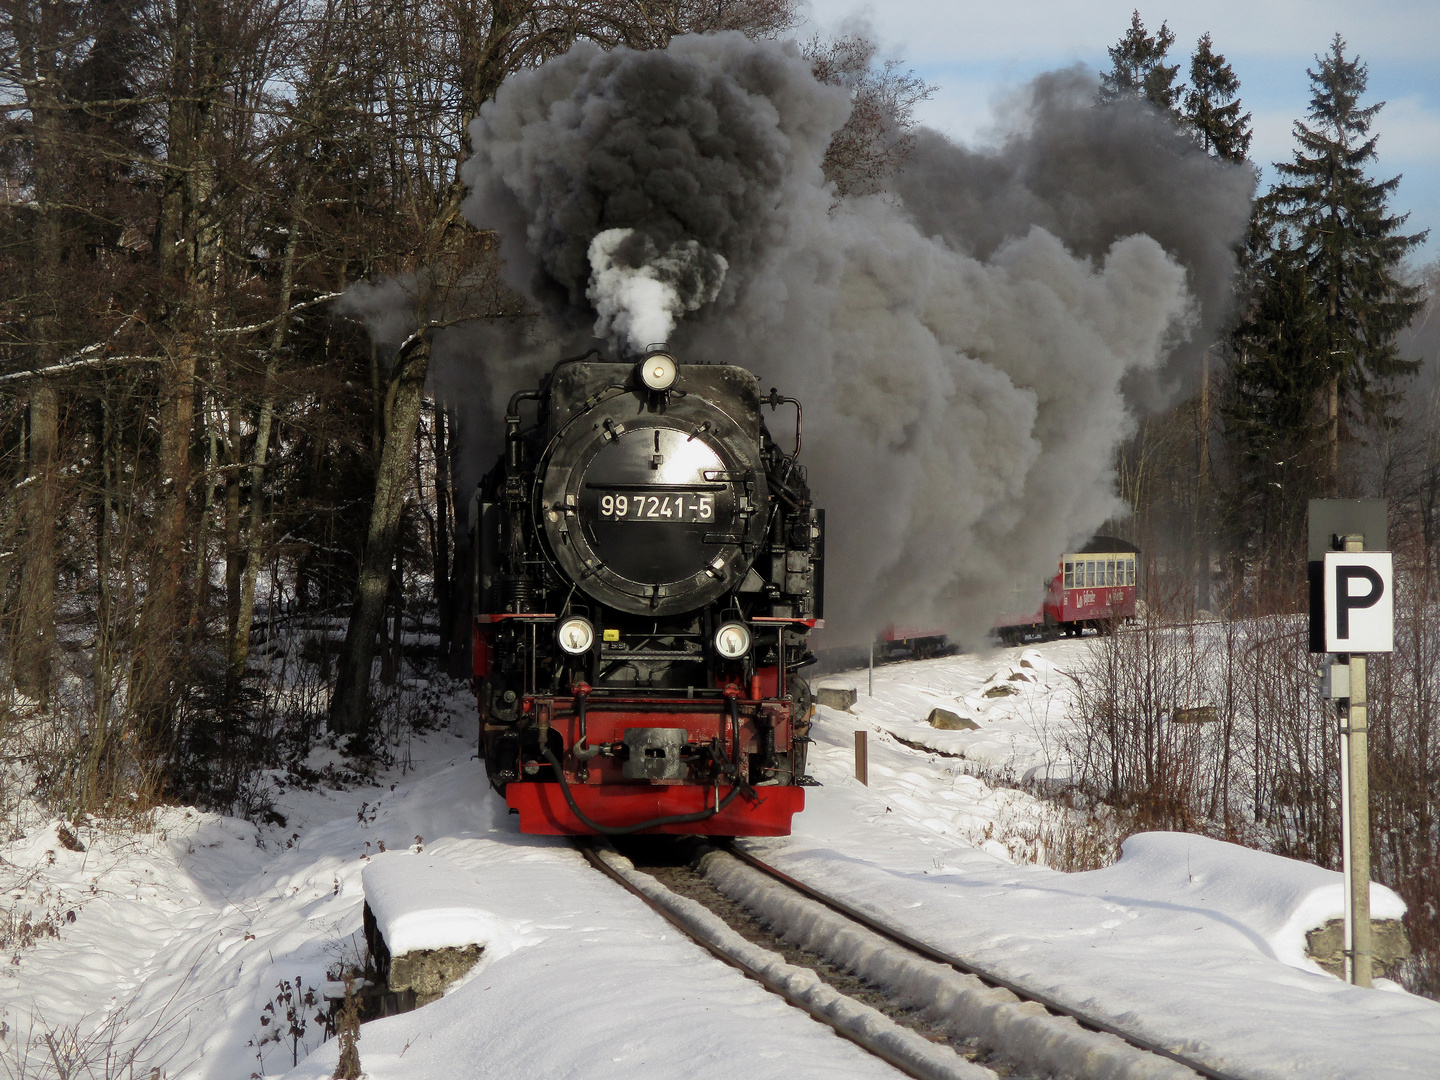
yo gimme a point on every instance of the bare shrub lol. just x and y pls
(117, 1046)
(1405, 773)
(347, 1027)
(1218, 728)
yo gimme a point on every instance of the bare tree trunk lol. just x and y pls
(35, 635)
(391, 657)
(437, 521)
(234, 556)
(1332, 435)
(444, 526)
(240, 642)
(103, 666)
(35, 34)
(1202, 494)
(205, 518)
(190, 239)
(161, 618)
(349, 707)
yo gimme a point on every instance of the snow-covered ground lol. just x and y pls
(191, 940)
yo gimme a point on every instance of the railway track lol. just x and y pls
(926, 1012)
(808, 984)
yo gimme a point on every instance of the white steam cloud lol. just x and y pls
(970, 346)
(637, 306)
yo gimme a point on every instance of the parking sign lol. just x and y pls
(1359, 602)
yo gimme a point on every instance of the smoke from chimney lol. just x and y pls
(970, 346)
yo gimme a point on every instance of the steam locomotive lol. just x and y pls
(647, 566)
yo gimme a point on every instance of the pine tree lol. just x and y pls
(1352, 249)
(1139, 69)
(1211, 107)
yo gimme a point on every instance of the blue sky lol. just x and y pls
(975, 53)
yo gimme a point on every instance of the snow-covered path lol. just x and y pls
(183, 934)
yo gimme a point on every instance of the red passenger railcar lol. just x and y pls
(1093, 588)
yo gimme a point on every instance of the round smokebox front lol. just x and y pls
(651, 518)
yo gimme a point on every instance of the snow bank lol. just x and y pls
(1212, 967)
(1273, 899)
(421, 902)
(1013, 703)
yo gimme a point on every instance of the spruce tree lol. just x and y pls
(1212, 109)
(1352, 249)
(1138, 68)
(1270, 420)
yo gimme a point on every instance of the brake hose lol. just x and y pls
(674, 819)
(624, 830)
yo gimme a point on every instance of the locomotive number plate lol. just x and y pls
(676, 506)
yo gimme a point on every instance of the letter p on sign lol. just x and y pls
(1359, 602)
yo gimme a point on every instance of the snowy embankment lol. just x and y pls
(183, 934)
(1190, 942)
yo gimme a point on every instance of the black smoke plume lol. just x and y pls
(970, 345)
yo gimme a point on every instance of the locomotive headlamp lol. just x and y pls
(732, 640)
(657, 371)
(576, 635)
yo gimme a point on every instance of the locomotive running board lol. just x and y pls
(543, 808)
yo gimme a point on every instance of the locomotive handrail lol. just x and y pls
(611, 486)
(581, 751)
(775, 400)
(675, 705)
(513, 409)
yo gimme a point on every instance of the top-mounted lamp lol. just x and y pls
(657, 371)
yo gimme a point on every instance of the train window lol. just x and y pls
(1070, 575)
(1130, 571)
(1110, 572)
(1090, 573)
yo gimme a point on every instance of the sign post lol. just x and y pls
(1355, 616)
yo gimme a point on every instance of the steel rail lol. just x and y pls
(858, 1038)
(982, 973)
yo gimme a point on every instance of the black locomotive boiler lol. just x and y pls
(647, 567)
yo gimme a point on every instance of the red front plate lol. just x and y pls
(543, 808)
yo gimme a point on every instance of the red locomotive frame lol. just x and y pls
(745, 718)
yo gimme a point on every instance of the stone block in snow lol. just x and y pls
(837, 697)
(951, 721)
